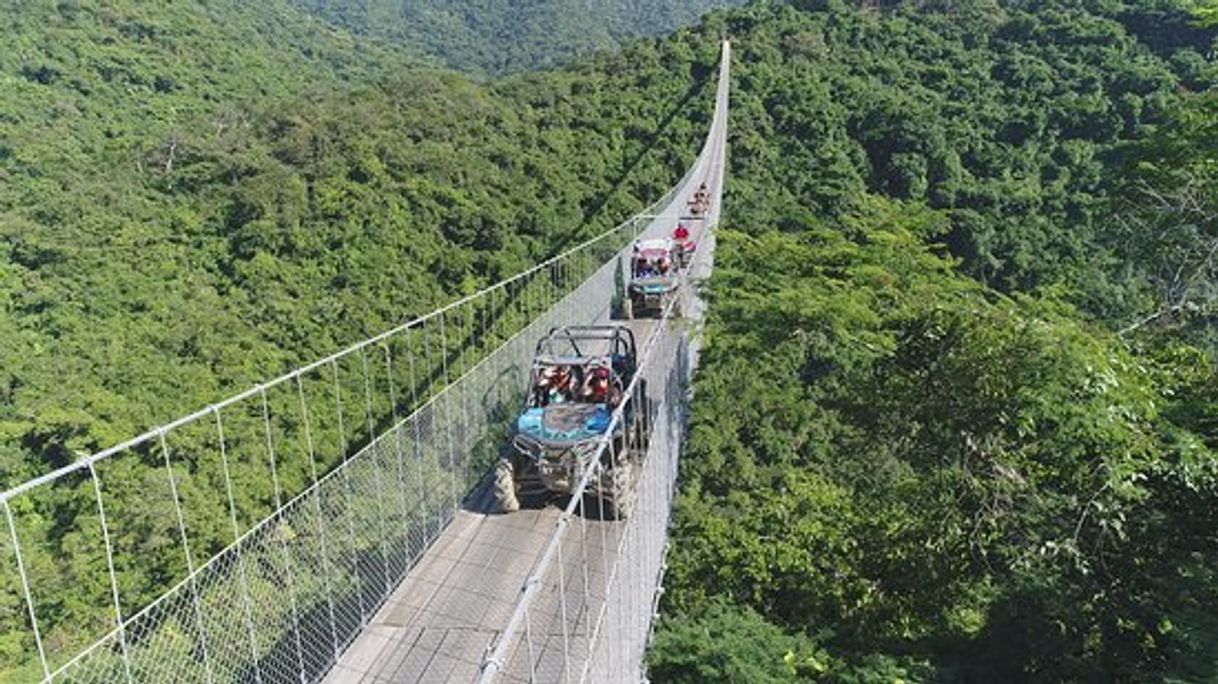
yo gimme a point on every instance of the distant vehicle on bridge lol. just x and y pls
(653, 277)
(699, 204)
(579, 378)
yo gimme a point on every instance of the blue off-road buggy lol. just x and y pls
(579, 377)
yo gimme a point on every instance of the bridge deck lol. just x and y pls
(449, 609)
(452, 605)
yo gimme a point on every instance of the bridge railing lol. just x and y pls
(585, 612)
(252, 540)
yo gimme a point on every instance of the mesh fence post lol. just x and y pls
(444, 349)
(486, 311)
(528, 640)
(418, 449)
(403, 489)
(283, 545)
(373, 449)
(29, 597)
(562, 603)
(118, 610)
(204, 638)
(467, 431)
(443, 399)
(556, 293)
(588, 603)
(434, 518)
(526, 306)
(600, 500)
(247, 602)
(321, 517)
(583, 544)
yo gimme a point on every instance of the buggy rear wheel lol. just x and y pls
(505, 485)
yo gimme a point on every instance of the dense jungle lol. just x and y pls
(956, 417)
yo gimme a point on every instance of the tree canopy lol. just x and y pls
(197, 198)
(955, 418)
(952, 420)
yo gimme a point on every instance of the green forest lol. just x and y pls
(167, 244)
(196, 198)
(956, 418)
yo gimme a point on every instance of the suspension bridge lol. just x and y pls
(336, 524)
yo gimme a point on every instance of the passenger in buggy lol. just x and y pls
(554, 386)
(596, 388)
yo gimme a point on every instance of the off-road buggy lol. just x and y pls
(579, 378)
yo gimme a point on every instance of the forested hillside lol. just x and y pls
(956, 417)
(113, 233)
(513, 35)
(201, 223)
(195, 198)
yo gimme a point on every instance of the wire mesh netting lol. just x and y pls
(586, 610)
(252, 542)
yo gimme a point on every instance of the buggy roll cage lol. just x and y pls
(620, 337)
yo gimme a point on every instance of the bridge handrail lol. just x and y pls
(495, 659)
